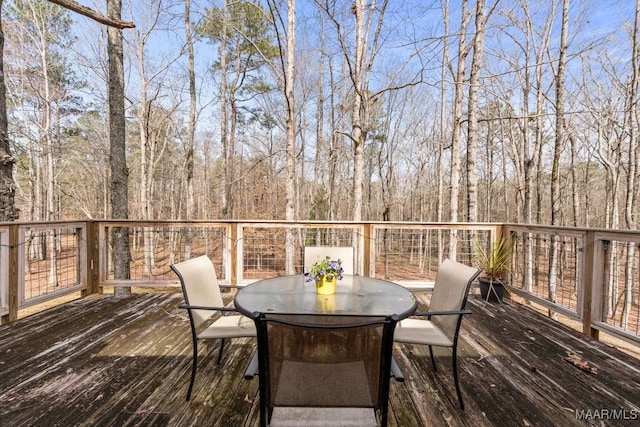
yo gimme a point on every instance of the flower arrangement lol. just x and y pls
(326, 267)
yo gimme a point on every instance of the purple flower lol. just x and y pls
(325, 267)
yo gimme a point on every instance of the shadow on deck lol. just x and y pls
(125, 360)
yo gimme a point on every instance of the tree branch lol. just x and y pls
(96, 16)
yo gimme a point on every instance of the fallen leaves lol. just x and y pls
(580, 363)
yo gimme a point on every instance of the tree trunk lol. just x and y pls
(8, 210)
(290, 166)
(117, 153)
(632, 164)
(632, 171)
(189, 149)
(443, 133)
(49, 172)
(559, 144)
(224, 119)
(472, 108)
(320, 164)
(146, 147)
(358, 132)
(575, 191)
(463, 50)
(334, 143)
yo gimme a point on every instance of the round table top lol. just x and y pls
(355, 295)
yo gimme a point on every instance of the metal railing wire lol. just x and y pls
(590, 275)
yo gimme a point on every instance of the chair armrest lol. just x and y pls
(252, 369)
(441, 313)
(198, 307)
(396, 373)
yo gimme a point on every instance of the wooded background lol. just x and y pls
(413, 110)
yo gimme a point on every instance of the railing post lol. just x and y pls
(13, 276)
(499, 233)
(368, 252)
(592, 277)
(92, 259)
(235, 253)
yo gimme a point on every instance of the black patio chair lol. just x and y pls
(331, 368)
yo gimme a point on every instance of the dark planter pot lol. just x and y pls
(492, 291)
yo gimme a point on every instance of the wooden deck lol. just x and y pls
(124, 360)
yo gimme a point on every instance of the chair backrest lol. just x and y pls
(324, 361)
(343, 253)
(199, 286)
(450, 293)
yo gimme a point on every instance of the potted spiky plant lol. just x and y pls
(496, 268)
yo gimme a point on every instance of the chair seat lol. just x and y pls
(419, 331)
(312, 254)
(323, 417)
(229, 327)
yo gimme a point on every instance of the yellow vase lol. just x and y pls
(326, 285)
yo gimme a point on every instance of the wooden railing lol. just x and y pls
(594, 278)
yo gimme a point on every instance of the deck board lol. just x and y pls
(110, 360)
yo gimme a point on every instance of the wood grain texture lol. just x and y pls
(108, 360)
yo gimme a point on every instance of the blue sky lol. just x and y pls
(590, 21)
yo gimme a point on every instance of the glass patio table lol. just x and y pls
(354, 296)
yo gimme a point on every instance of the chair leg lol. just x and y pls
(433, 359)
(221, 348)
(454, 361)
(194, 366)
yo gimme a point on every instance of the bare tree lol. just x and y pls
(285, 30)
(47, 128)
(558, 147)
(530, 35)
(289, 79)
(117, 153)
(459, 82)
(369, 17)
(44, 31)
(442, 134)
(634, 146)
(225, 141)
(323, 149)
(119, 171)
(154, 124)
(481, 17)
(189, 149)
(8, 211)
(360, 111)
(243, 32)
(632, 168)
